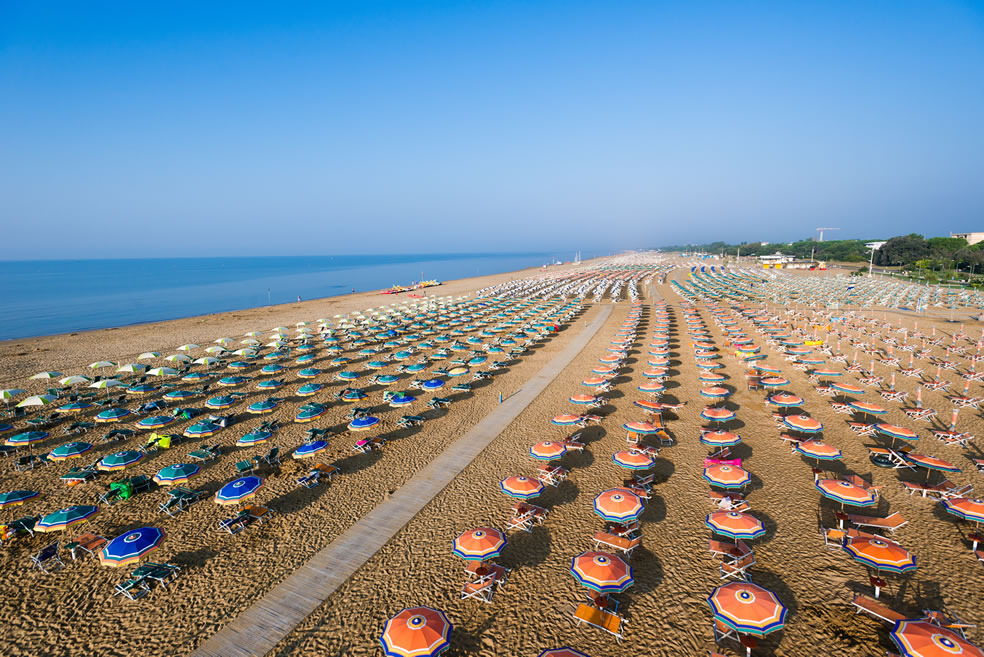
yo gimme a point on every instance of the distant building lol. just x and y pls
(972, 238)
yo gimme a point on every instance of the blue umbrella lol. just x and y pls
(255, 437)
(178, 473)
(155, 422)
(419, 367)
(201, 430)
(272, 369)
(363, 423)
(69, 451)
(270, 384)
(222, 401)
(309, 373)
(232, 381)
(308, 450)
(306, 358)
(239, 490)
(309, 389)
(401, 400)
(17, 497)
(176, 395)
(387, 379)
(432, 384)
(262, 407)
(352, 395)
(112, 414)
(27, 438)
(131, 547)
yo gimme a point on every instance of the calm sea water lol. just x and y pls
(60, 296)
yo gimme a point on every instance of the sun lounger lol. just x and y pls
(622, 544)
(235, 524)
(883, 455)
(538, 514)
(841, 408)
(258, 514)
(244, 468)
(862, 428)
(925, 489)
(47, 559)
(88, 543)
(205, 453)
(873, 607)
(737, 569)
(133, 588)
(890, 523)
(484, 586)
(949, 621)
(919, 413)
(178, 500)
(729, 551)
(729, 501)
(603, 620)
(162, 573)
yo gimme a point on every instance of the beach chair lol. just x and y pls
(327, 471)
(622, 544)
(888, 457)
(204, 453)
(179, 499)
(133, 588)
(47, 559)
(729, 501)
(890, 523)
(737, 569)
(598, 618)
(235, 524)
(833, 538)
(88, 543)
(485, 586)
(272, 458)
(522, 520)
(244, 468)
(141, 483)
(920, 413)
(948, 620)
(926, 488)
(874, 608)
(731, 552)
(25, 462)
(258, 514)
(162, 573)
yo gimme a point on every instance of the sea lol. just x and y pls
(46, 297)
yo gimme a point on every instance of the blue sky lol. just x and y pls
(265, 128)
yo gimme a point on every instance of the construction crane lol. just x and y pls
(823, 228)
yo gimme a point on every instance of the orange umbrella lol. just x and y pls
(845, 492)
(880, 554)
(747, 608)
(618, 505)
(601, 572)
(735, 524)
(920, 638)
(726, 476)
(548, 450)
(562, 652)
(416, 632)
(633, 460)
(479, 544)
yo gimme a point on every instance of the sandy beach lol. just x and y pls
(73, 611)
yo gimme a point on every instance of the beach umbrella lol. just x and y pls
(479, 544)
(178, 473)
(120, 460)
(262, 407)
(178, 358)
(930, 462)
(562, 652)
(714, 414)
(921, 638)
(602, 572)
(149, 355)
(773, 382)
(36, 400)
(766, 370)
(734, 524)
(815, 449)
(966, 508)
(74, 407)
(785, 400)
(99, 364)
(202, 429)
(726, 476)
(231, 381)
(254, 437)
(353, 395)
(618, 505)
(156, 422)
(69, 451)
(523, 488)
(894, 431)
(309, 449)
(652, 387)
(17, 497)
(387, 379)
(310, 412)
(74, 380)
(432, 384)
(47, 375)
(27, 438)
(363, 423)
(715, 392)
(239, 490)
(641, 428)
(719, 438)
(309, 389)
(131, 368)
(416, 632)
(880, 553)
(308, 373)
(548, 450)
(106, 384)
(131, 546)
(711, 377)
(5, 427)
(802, 423)
(162, 371)
(9, 393)
(67, 517)
(566, 419)
(633, 460)
(867, 408)
(177, 395)
(188, 347)
(847, 388)
(221, 401)
(195, 376)
(207, 361)
(747, 608)
(270, 384)
(140, 389)
(845, 492)
(215, 350)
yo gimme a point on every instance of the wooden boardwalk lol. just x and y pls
(259, 628)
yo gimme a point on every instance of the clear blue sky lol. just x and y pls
(277, 128)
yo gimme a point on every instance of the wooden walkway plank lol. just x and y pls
(258, 629)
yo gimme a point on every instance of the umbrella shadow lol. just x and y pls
(527, 549)
(777, 585)
(768, 523)
(358, 461)
(655, 510)
(564, 493)
(662, 470)
(297, 498)
(580, 459)
(467, 641)
(193, 558)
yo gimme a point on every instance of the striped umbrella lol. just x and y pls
(17, 497)
(416, 632)
(930, 462)
(178, 473)
(401, 399)
(37, 400)
(602, 572)
(308, 373)
(921, 638)
(309, 389)
(548, 450)
(618, 505)
(178, 395)
(254, 437)
(231, 381)
(894, 431)
(262, 407)
(74, 407)
(867, 408)
(566, 419)
(523, 488)
(966, 508)
(155, 422)
(773, 382)
(719, 438)
(726, 476)
(734, 524)
(747, 608)
(802, 423)
(69, 451)
(363, 423)
(818, 450)
(880, 554)
(715, 392)
(222, 401)
(202, 430)
(594, 382)
(131, 547)
(649, 405)
(239, 490)
(714, 414)
(642, 428)
(112, 415)
(309, 449)
(310, 412)
(269, 384)
(633, 460)
(586, 400)
(652, 387)
(67, 517)
(785, 400)
(847, 388)
(27, 438)
(353, 395)
(479, 544)
(120, 460)
(845, 492)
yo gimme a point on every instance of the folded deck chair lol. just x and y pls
(47, 559)
(258, 513)
(162, 573)
(603, 620)
(245, 467)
